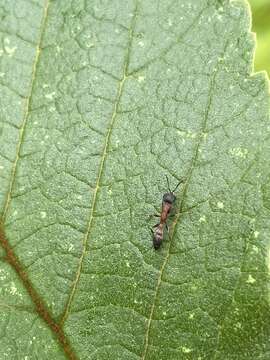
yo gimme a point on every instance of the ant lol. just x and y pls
(167, 203)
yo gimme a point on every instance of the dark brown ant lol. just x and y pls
(167, 203)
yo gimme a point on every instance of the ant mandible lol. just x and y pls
(167, 203)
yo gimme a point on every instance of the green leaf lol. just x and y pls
(260, 25)
(99, 101)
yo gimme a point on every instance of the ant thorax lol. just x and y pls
(169, 198)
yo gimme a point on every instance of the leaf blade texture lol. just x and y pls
(101, 100)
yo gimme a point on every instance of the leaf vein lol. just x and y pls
(185, 189)
(101, 166)
(26, 112)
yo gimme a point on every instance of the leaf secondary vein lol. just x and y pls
(102, 163)
(10, 256)
(26, 112)
(171, 46)
(176, 221)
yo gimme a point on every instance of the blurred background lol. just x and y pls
(261, 26)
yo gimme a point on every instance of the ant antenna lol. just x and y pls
(180, 182)
(168, 183)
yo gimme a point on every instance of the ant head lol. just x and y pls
(169, 197)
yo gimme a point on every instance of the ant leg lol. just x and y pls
(168, 183)
(168, 231)
(153, 215)
(156, 225)
(150, 248)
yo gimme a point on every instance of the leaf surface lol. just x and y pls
(99, 101)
